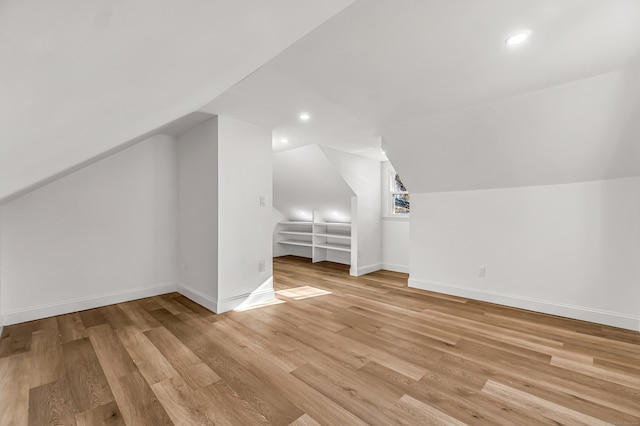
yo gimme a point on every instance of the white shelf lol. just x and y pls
(320, 236)
(344, 236)
(336, 224)
(337, 247)
(296, 243)
(309, 233)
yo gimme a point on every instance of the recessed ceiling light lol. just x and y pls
(304, 116)
(284, 140)
(517, 38)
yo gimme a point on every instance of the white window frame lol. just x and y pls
(392, 192)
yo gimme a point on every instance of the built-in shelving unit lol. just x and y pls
(296, 233)
(326, 240)
(339, 247)
(296, 243)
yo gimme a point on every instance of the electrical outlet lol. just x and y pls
(263, 201)
(482, 271)
(262, 266)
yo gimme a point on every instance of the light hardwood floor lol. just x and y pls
(335, 350)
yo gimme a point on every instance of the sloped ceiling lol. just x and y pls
(455, 107)
(305, 180)
(432, 78)
(386, 61)
(580, 131)
(80, 77)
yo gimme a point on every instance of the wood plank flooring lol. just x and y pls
(334, 350)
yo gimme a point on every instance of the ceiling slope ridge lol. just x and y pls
(348, 172)
(104, 80)
(635, 65)
(586, 130)
(174, 128)
(304, 179)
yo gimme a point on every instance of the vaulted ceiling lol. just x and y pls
(454, 106)
(81, 77)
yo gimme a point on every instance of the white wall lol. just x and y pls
(395, 244)
(1, 316)
(245, 227)
(570, 250)
(101, 235)
(363, 177)
(395, 229)
(198, 213)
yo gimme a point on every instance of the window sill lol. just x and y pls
(396, 218)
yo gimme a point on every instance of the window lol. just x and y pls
(399, 196)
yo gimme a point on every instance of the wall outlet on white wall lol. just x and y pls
(482, 271)
(261, 266)
(263, 201)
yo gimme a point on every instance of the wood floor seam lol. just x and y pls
(335, 350)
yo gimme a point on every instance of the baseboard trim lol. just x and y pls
(598, 316)
(368, 269)
(395, 268)
(230, 303)
(84, 303)
(245, 300)
(198, 297)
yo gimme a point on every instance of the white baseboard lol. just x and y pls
(84, 303)
(262, 295)
(198, 297)
(362, 270)
(599, 316)
(396, 268)
(245, 300)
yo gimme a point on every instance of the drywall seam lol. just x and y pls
(81, 304)
(583, 313)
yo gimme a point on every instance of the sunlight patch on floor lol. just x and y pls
(303, 292)
(260, 305)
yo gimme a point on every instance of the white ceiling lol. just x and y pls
(381, 63)
(580, 131)
(79, 77)
(271, 98)
(386, 61)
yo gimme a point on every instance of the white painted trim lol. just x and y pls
(198, 297)
(404, 218)
(84, 303)
(599, 316)
(245, 300)
(396, 268)
(368, 269)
